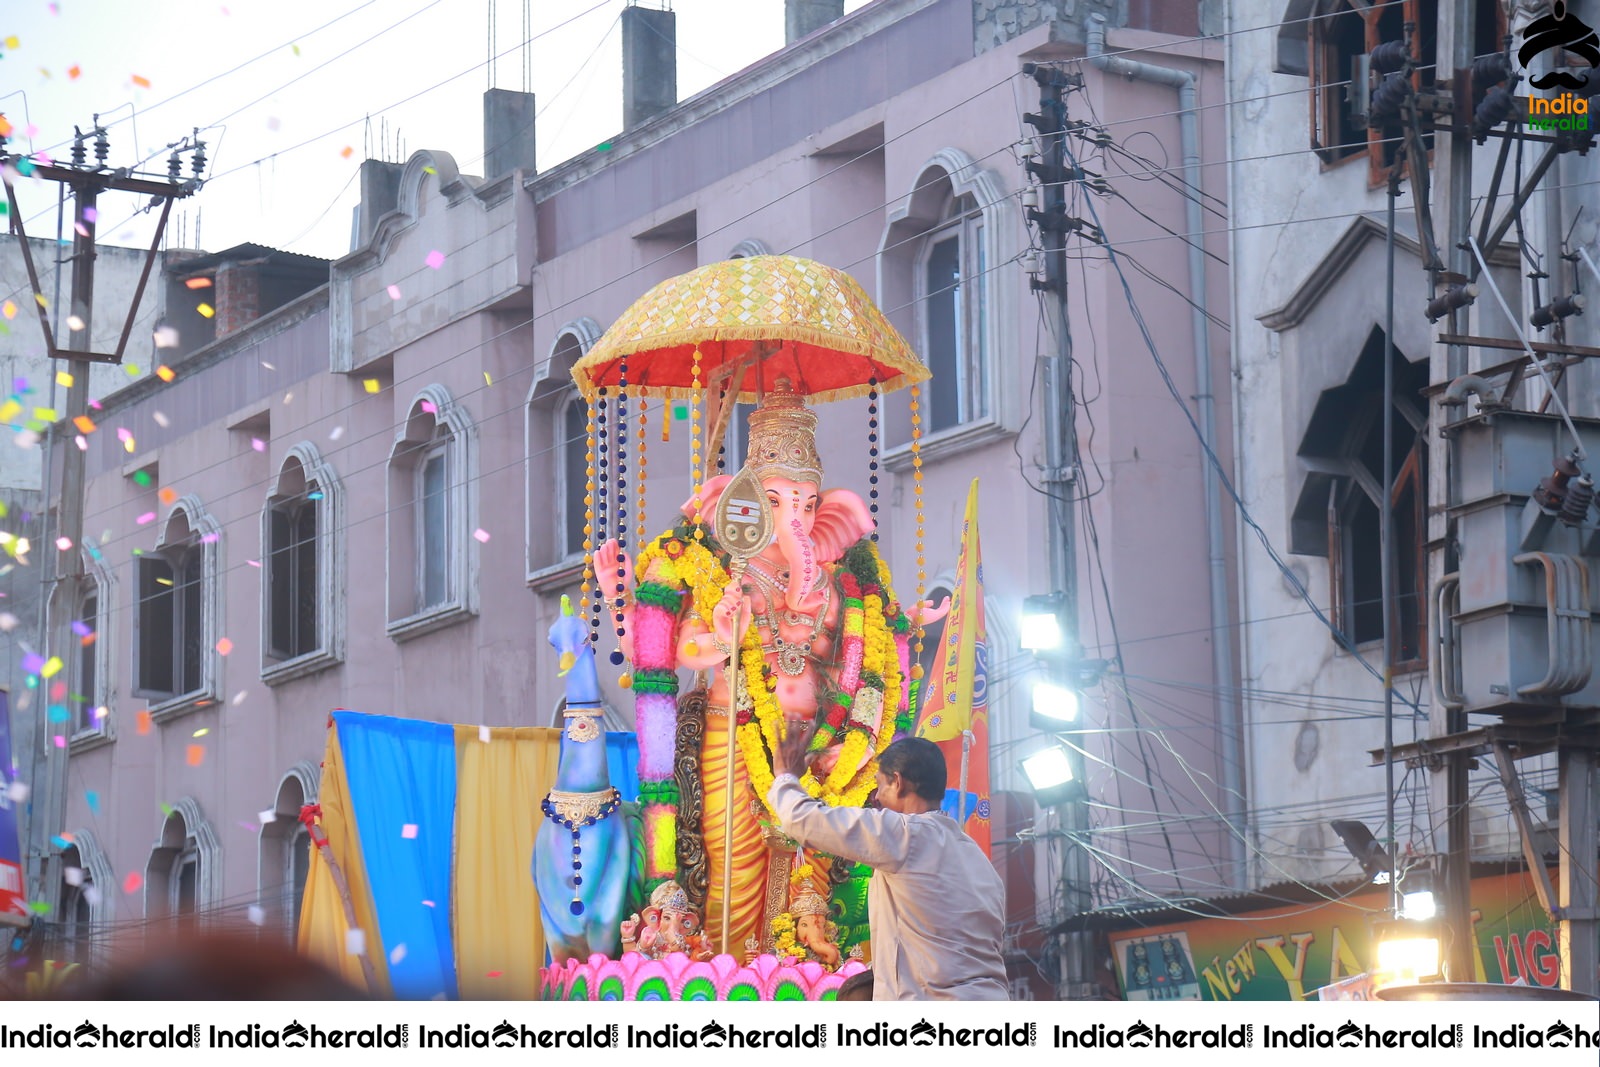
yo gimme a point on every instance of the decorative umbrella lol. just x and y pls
(753, 321)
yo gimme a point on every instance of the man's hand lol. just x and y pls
(791, 754)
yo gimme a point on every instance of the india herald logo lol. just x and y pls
(1559, 29)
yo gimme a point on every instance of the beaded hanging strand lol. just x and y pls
(916, 481)
(619, 600)
(600, 514)
(588, 516)
(872, 452)
(696, 469)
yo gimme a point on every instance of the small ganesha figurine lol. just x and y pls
(806, 931)
(669, 925)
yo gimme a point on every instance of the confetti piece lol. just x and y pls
(63, 379)
(141, 82)
(409, 831)
(166, 337)
(51, 667)
(198, 283)
(101, 713)
(202, 731)
(483, 734)
(288, 397)
(45, 414)
(429, 408)
(370, 385)
(39, 907)
(482, 536)
(72, 875)
(355, 942)
(61, 742)
(63, 543)
(17, 793)
(161, 419)
(39, 299)
(495, 974)
(84, 424)
(273, 123)
(253, 562)
(141, 478)
(165, 373)
(8, 622)
(434, 259)
(167, 494)
(398, 954)
(146, 518)
(132, 882)
(142, 723)
(224, 646)
(132, 369)
(210, 538)
(73, 321)
(427, 904)
(267, 365)
(206, 310)
(74, 72)
(92, 798)
(486, 379)
(256, 915)
(8, 309)
(394, 292)
(195, 755)
(429, 170)
(258, 444)
(264, 817)
(295, 49)
(315, 494)
(238, 698)
(346, 152)
(336, 433)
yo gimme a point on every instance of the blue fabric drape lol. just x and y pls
(622, 762)
(402, 773)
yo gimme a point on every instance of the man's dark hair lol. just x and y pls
(857, 987)
(920, 763)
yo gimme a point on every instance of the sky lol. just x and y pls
(290, 96)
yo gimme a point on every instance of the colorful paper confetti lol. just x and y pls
(482, 536)
(370, 385)
(346, 152)
(434, 259)
(166, 337)
(355, 942)
(198, 283)
(141, 81)
(206, 311)
(394, 292)
(224, 646)
(132, 883)
(167, 495)
(256, 915)
(409, 831)
(142, 723)
(195, 755)
(165, 373)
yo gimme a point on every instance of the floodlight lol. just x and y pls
(1408, 950)
(1372, 856)
(1042, 630)
(1418, 904)
(1050, 776)
(1055, 706)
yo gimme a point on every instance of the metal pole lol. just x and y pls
(1386, 554)
(1580, 926)
(1060, 481)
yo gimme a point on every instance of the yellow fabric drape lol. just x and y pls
(750, 854)
(496, 922)
(324, 931)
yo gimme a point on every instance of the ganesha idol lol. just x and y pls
(821, 638)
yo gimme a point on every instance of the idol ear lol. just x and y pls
(842, 519)
(710, 492)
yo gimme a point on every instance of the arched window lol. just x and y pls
(941, 277)
(175, 623)
(285, 857)
(433, 492)
(302, 573)
(86, 878)
(89, 639)
(556, 438)
(183, 878)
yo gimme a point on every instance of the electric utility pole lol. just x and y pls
(86, 180)
(1060, 480)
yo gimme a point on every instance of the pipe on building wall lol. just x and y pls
(1228, 710)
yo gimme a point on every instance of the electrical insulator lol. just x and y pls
(1387, 99)
(1557, 309)
(1494, 109)
(1490, 70)
(1580, 496)
(1389, 56)
(1033, 261)
(1551, 492)
(198, 162)
(1030, 197)
(102, 145)
(1457, 296)
(80, 155)
(174, 168)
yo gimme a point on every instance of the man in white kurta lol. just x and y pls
(935, 904)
